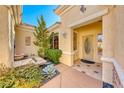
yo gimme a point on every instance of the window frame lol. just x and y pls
(100, 44)
(53, 41)
(75, 48)
(28, 43)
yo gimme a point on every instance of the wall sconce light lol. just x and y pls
(64, 34)
(83, 8)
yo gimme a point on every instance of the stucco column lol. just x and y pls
(108, 46)
(65, 44)
(5, 42)
(70, 46)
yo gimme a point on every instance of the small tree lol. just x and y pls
(42, 37)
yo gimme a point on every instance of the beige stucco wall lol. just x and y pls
(65, 54)
(65, 44)
(92, 29)
(109, 29)
(74, 14)
(113, 43)
(20, 45)
(112, 28)
(6, 36)
(119, 39)
(67, 18)
(119, 43)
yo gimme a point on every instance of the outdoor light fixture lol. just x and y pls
(63, 34)
(83, 8)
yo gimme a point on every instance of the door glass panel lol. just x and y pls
(87, 45)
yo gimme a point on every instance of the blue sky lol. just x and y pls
(31, 12)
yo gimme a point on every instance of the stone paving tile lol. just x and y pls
(90, 69)
(71, 78)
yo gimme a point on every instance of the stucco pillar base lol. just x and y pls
(67, 59)
(107, 72)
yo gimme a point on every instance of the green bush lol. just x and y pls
(26, 76)
(53, 55)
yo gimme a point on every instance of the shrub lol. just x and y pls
(53, 55)
(26, 76)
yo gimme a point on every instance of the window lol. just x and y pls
(75, 40)
(99, 44)
(28, 41)
(55, 41)
(87, 45)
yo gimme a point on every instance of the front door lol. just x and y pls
(88, 47)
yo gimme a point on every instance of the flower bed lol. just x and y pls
(28, 76)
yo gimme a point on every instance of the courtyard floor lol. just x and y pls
(92, 70)
(71, 78)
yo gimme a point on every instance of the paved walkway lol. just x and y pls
(71, 78)
(92, 70)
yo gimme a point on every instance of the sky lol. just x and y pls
(32, 12)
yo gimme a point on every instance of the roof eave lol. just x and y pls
(61, 9)
(55, 25)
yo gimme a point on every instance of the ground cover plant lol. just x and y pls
(27, 76)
